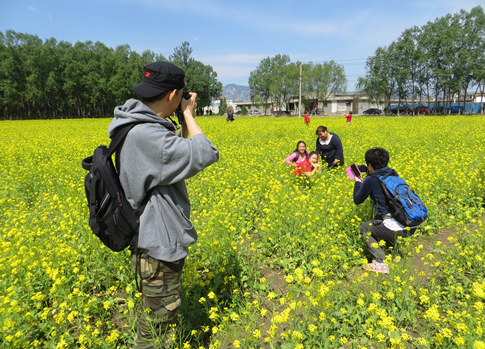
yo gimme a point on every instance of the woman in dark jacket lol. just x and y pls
(329, 147)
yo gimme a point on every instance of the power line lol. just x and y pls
(241, 80)
(345, 62)
(352, 61)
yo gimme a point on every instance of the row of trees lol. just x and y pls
(57, 79)
(438, 62)
(276, 80)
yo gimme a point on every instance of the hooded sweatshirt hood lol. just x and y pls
(385, 170)
(135, 111)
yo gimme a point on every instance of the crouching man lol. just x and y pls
(383, 227)
(154, 160)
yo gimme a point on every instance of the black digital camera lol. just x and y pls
(180, 115)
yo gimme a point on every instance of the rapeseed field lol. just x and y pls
(277, 264)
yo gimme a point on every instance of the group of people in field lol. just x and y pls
(328, 147)
(384, 226)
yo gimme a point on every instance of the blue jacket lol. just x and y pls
(371, 186)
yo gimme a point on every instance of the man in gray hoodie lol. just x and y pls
(154, 158)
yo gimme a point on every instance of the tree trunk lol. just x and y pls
(421, 97)
(482, 103)
(435, 100)
(414, 107)
(446, 101)
(475, 96)
(464, 101)
(427, 92)
(458, 101)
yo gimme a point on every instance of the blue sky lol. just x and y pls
(232, 36)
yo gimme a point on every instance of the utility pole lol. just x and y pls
(299, 98)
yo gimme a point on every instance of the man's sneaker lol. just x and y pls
(376, 267)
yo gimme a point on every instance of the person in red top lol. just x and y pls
(309, 166)
(349, 118)
(307, 119)
(314, 165)
(303, 167)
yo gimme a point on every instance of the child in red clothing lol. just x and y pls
(308, 166)
(349, 118)
(307, 119)
(314, 165)
(302, 168)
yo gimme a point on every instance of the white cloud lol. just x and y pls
(195, 38)
(49, 15)
(32, 8)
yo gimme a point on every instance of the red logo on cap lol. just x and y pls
(147, 74)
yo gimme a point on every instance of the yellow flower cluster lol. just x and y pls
(278, 256)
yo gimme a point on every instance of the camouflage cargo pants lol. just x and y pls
(160, 285)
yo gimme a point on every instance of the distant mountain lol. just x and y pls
(235, 92)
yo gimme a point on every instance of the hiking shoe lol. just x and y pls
(376, 267)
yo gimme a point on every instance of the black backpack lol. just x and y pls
(111, 217)
(307, 155)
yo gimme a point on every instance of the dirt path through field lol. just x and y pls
(430, 243)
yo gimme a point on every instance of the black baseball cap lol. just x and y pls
(159, 77)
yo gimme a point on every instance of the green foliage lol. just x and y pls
(244, 110)
(199, 78)
(43, 78)
(223, 106)
(322, 80)
(436, 62)
(276, 79)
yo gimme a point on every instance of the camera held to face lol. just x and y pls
(178, 111)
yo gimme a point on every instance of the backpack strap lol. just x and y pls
(379, 176)
(92, 205)
(120, 136)
(298, 155)
(144, 202)
(116, 142)
(394, 205)
(384, 190)
(383, 177)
